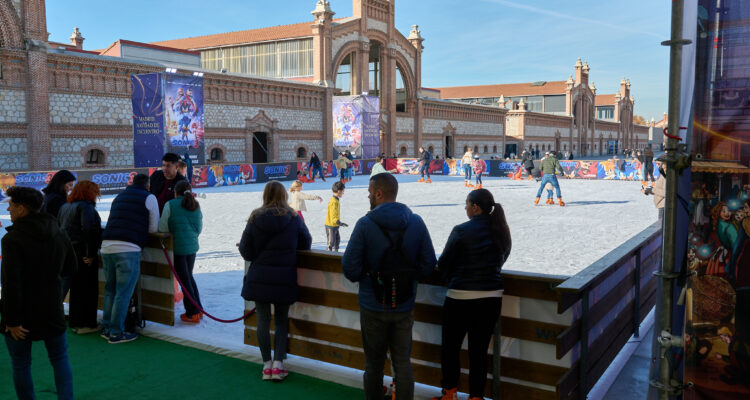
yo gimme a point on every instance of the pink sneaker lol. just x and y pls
(267, 374)
(278, 374)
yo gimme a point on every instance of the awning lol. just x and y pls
(719, 167)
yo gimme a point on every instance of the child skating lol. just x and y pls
(478, 166)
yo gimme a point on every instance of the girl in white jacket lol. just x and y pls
(297, 198)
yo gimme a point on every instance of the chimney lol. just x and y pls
(579, 71)
(585, 74)
(76, 39)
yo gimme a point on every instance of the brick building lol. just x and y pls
(65, 107)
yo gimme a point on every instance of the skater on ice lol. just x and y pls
(333, 215)
(549, 168)
(297, 198)
(466, 161)
(478, 166)
(424, 165)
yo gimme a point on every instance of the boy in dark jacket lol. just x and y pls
(35, 254)
(386, 326)
(164, 180)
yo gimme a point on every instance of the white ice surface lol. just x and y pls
(598, 216)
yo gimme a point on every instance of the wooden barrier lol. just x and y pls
(542, 320)
(157, 287)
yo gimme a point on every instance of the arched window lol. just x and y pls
(301, 152)
(94, 157)
(466, 148)
(537, 146)
(402, 151)
(431, 149)
(344, 75)
(476, 149)
(400, 91)
(574, 146)
(565, 147)
(217, 155)
(486, 150)
(543, 147)
(494, 149)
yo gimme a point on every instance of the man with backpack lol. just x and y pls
(389, 251)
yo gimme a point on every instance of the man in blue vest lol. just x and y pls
(134, 213)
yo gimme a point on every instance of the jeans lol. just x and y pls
(467, 172)
(319, 171)
(121, 271)
(477, 318)
(281, 325)
(479, 178)
(383, 331)
(425, 169)
(343, 173)
(551, 178)
(20, 358)
(183, 264)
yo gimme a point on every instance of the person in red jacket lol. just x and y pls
(478, 166)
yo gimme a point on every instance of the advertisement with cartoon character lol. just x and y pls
(356, 125)
(183, 116)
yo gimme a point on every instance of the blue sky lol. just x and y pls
(467, 42)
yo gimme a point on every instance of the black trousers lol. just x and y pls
(477, 318)
(183, 264)
(84, 294)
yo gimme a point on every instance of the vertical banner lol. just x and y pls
(717, 307)
(148, 119)
(183, 120)
(370, 126)
(356, 125)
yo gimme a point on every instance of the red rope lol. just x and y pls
(189, 297)
(672, 136)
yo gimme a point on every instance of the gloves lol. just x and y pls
(343, 224)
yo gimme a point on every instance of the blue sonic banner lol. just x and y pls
(183, 117)
(148, 119)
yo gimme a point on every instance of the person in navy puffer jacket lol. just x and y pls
(383, 326)
(471, 262)
(272, 236)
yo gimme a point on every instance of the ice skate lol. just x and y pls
(550, 201)
(420, 180)
(536, 201)
(449, 394)
(429, 180)
(562, 203)
(479, 186)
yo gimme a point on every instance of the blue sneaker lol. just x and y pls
(123, 338)
(104, 334)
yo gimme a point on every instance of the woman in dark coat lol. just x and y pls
(79, 218)
(272, 236)
(528, 163)
(315, 166)
(471, 262)
(56, 191)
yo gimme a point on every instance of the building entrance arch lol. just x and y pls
(259, 138)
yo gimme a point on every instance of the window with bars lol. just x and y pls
(217, 154)
(94, 157)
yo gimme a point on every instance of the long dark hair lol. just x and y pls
(183, 188)
(498, 224)
(58, 181)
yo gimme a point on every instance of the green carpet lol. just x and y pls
(152, 369)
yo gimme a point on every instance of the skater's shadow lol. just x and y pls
(589, 203)
(435, 205)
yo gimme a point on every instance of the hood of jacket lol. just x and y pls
(40, 226)
(391, 216)
(271, 223)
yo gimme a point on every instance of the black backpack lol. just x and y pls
(395, 279)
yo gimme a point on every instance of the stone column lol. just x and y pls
(328, 125)
(37, 108)
(363, 66)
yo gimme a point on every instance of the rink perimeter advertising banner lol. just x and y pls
(356, 125)
(167, 117)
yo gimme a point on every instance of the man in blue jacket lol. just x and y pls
(386, 325)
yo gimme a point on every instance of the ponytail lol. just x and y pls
(500, 232)
(189, 202)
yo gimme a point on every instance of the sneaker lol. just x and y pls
(123, 338)
(104, 334)
(193, 319)
(450, 394)
(536, 201)
(267, 374)
(86, 329)
(278, 374)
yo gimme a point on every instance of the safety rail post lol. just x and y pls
(583, 361)
(496, 338)
(637, 294)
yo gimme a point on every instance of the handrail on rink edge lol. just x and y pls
(544, 322)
